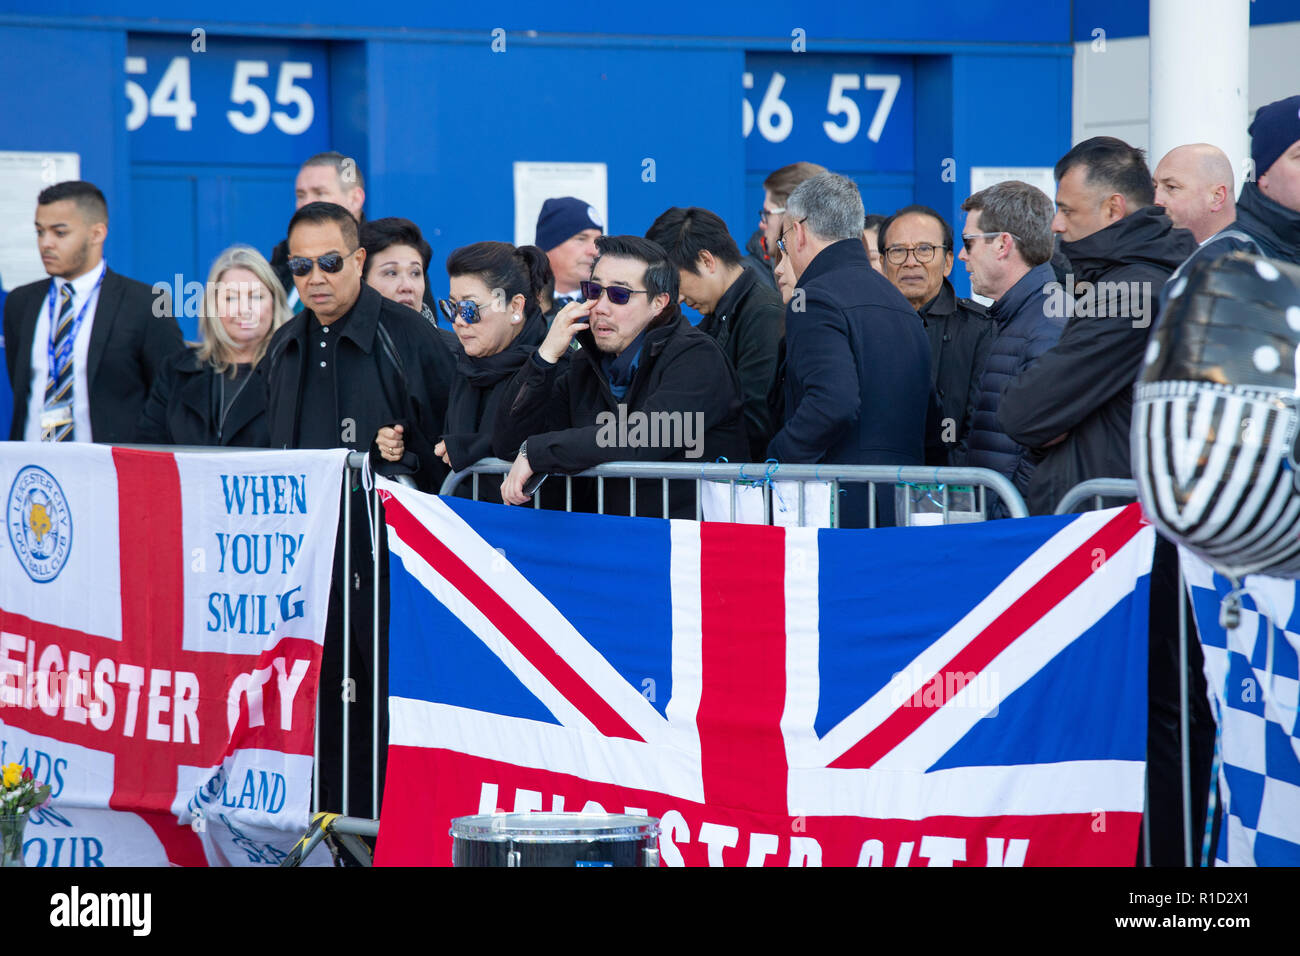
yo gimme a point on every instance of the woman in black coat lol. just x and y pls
(495, 313)
(206, 394)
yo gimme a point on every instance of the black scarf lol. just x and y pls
(475, 377)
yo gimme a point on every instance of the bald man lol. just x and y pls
(1194, 184)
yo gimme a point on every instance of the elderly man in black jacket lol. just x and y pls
(1007, 248)
(644, 386)
(856, 376)
(354, 370)
(1076, 402)
(917, 249)
(742, 313)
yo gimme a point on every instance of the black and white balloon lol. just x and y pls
(1215, 420)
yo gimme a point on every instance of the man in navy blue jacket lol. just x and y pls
(856, 373)
(1007, 248)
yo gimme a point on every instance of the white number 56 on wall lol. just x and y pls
(172, 96)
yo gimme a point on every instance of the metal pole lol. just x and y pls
(376, 545)
(1184, 731)
(347, 628)
(1200, 78)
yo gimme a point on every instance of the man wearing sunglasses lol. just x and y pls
(917, 247)
(1007, 248)
(354, 370)
(640, 362)
(856, 376)
(325, 177)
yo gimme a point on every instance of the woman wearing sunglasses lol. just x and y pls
(494, 310)
(205, 395)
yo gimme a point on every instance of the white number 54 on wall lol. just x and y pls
(172, 96)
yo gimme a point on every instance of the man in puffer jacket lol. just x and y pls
(1007, 250)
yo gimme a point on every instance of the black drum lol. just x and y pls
(555, 839)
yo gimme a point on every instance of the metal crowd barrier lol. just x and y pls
(763, 475)
(336, 823)
(1096, 489)
(341, 831)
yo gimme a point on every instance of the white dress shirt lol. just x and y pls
(81, 287)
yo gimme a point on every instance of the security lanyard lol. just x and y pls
(59, 360)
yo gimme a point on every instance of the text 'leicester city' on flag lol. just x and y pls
(970, 695)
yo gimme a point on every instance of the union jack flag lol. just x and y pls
(970, 695)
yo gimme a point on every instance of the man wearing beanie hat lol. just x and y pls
(1268, 212)
(566, 231)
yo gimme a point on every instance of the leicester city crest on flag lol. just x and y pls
(40, 523)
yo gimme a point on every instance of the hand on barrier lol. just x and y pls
(512, 489)
(390, 443)
(440, 450)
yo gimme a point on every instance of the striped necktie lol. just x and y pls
(58, 391)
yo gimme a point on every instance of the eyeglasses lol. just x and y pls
(591, 291)
(780, 240)
(969, 240)
(923, 252)
(466, 310)
(765, 213)
(330, 262)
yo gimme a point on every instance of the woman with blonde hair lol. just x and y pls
(208, 393)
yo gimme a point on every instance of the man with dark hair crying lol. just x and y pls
(645, 386)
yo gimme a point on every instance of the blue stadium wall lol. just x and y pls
(436, 116)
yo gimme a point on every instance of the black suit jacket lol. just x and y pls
(128, 346)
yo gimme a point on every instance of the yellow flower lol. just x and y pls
(13, 774)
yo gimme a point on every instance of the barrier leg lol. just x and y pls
(347, 626)
(376, 544)
(1184, 720)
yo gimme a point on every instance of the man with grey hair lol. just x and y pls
(1007, 249)
(1194, 184)
(855, 377)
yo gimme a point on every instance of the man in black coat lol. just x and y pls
(1076, 402)
(742, 313)
(111, 335)
(354, 370)
(856, 377)
(644, 386)
(917, 249)
(1007, 248)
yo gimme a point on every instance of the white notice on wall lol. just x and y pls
(982, 177)
(22, 177)
(537, 182)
